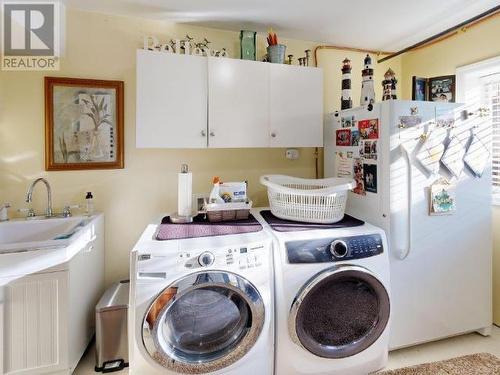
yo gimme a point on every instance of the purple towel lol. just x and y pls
(201, 227)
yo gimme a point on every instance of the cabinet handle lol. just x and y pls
(212, 134)
(273, 135)
(203, 133)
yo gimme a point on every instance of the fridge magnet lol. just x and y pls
(370, 177)
(432, 150)
(343, 137)
(368, 129)
(355, 137)
(445, 120)
(477, 156)
(344, 165)
(348, 122)
(83, 124)
(350, 154)
(368, 150)
(442, 198)
(453, 156)
(409, 121)
(358, 177)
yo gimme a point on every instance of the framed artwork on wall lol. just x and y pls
(435, 89)
(419, 88)
(441, 89)
(84, 124)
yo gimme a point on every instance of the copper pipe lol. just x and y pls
(351, 49)
(461, 26)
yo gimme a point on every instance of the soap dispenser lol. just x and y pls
(89, 203)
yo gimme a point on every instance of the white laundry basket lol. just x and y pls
(308, 200)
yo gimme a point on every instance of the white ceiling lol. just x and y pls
(387, 25)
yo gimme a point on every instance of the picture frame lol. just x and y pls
(419, 88)
(84, 124)
(441, 89)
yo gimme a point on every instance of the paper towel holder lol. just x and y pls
(176, 218)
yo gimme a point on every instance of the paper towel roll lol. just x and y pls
(184, 193)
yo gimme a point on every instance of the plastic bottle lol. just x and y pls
(89, 203)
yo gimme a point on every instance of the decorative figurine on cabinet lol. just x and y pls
(367, 88)
(389, 84)
(346, 101)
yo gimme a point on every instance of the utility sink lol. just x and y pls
(24, 235)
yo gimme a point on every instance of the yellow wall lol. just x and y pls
(103, 47)
(478, 43)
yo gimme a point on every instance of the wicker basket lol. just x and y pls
(217, 212)
(307, 200)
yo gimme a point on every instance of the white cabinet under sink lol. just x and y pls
(188, 101)
(47, 318)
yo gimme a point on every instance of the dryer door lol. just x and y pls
(203, 322)
(340, 312)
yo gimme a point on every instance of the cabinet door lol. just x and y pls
(238, 103)
(35, 337)
(171, 100)
(296, 109)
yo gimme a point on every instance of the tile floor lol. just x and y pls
(435, 351)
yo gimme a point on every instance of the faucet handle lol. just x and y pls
(67, 209)
(28, 211)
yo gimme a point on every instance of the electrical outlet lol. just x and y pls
(292, 154)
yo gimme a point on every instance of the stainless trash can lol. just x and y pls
(111, 328)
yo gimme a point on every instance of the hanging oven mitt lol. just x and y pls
(432, 150)
(453, 156)
(477, 155)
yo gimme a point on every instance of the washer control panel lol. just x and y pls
(334, 249)
(238, 257)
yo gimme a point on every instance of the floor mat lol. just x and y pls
(474, 364)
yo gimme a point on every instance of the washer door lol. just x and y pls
(339, 312)
(203, 322)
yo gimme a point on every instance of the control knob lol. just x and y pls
(338, 248)
(206, 259)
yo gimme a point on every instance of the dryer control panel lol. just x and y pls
(334, 249)
(238, 257)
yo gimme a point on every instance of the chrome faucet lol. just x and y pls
(29, 195)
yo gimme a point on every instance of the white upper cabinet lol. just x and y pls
(171, 100)
(186, 101)
(238, 103)
(296, 106)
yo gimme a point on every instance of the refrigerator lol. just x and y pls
(423, 174)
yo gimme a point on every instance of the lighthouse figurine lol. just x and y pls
(346, 101)
(389, 85)
(367, 88)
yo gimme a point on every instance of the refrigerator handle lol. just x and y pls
(405, 251)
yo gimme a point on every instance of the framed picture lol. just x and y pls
(441, 89)
(83, 124)
(419, 88)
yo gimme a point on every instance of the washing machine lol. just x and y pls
(202, 305)
(332, 297)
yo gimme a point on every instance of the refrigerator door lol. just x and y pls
(440, 265)
(369, 203)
